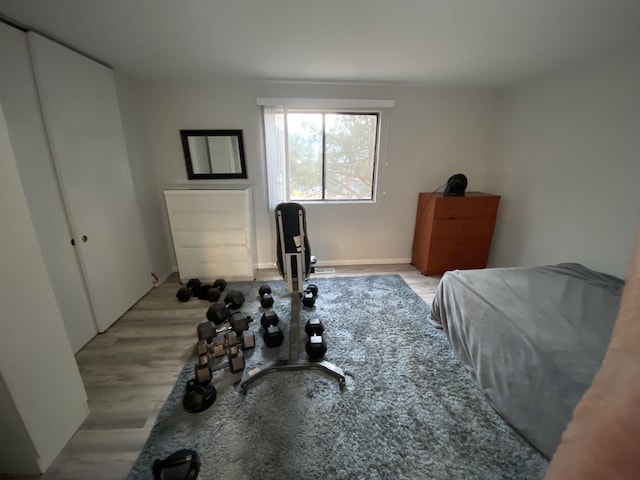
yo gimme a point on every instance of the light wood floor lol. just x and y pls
(129, 371)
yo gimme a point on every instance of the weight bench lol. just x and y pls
(294, 263)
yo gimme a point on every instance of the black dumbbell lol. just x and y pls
(233, 299)
(218, 313)
(184, 294)
(309, 295)
(220, 284)
(191, 289)
(266, 299)
(308, 300)
(205, 291)
(209, 292)
(239, 323)
(206, 331)
(272, 334)
(269, 318)
(202, 291)
(213, 295)
(314, 327)
(316, 347)
(196, 287)
(264, 289)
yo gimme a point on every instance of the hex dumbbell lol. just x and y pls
(309, 295)
(314, 327)
(202, 369)
(266, 299)
(220, 284)
(194, 284)
(203, 291)
(218, 313)
(188, 291)
(234, 355)
(207, 330)
(184, 294)
(228, 344)
(316, 347)
(210, 292)
(272, 334)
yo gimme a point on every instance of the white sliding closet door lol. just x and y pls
(84, 126)
(23, 114)
(42, 399)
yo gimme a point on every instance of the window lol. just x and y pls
(331, 155)
(321, 154)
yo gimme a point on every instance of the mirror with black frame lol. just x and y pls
(213, 154)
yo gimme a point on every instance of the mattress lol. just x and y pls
(531, 338)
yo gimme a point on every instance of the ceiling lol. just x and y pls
(476, 43)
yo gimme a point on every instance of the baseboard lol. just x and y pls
(339, 263)
(367, 261)
(321, 263)
(266, 265)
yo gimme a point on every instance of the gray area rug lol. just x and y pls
(411, 411)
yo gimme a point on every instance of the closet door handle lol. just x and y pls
(73, 242)
(84, 238)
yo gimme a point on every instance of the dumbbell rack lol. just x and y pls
(294, 362)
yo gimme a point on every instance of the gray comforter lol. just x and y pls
(532, 338)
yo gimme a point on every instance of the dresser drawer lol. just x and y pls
(212, 254)
(466, 207)
(190, 239)
(216, 220)
(205, 201)
(449, 253)
(459, 247)
(463, 227)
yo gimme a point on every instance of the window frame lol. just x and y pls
(376, 154)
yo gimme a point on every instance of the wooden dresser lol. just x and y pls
(453, 232)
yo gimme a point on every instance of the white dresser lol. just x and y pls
(213, 233)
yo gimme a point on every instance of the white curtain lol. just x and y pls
(276, 153)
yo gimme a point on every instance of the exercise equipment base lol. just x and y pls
(289, 365)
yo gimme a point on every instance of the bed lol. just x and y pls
(531, 338)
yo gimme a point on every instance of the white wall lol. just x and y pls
(568, 165)
(434, 133)
(144, 174)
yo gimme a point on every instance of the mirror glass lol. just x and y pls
(213, 154)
